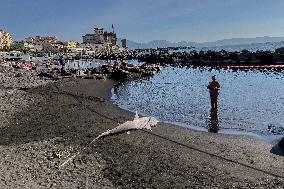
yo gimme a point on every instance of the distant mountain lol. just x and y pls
(242, 41)
(155, 44)
(223, 42)
(268, 46)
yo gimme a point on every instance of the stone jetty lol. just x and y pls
(211, 58)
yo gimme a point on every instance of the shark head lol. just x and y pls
(153, 121)
(145, 122)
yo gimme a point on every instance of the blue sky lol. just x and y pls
(144, 20)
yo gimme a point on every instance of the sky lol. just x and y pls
(144, 20)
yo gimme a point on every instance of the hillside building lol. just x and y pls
(100, 39)
(23, 45)
(71, 46)
(46, 44)
(6, 40)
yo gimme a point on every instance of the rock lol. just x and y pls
(18, 74)
(281, 143)
(42, 74)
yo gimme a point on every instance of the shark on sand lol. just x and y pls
(137, 124)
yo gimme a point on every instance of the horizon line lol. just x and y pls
(188, 41)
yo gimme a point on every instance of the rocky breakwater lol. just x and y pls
(209, 58)
(116, 70)
(124, 71)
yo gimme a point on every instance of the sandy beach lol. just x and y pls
(45, 122)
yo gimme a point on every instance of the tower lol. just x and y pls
(112, 28)
(123, 43)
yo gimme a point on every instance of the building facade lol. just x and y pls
(70, 44)
(100, 38)
(6, 40)
(23, 45)
(47, 44)
(41, 40)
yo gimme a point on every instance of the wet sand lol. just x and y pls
(61, 118)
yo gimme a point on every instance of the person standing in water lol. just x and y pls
(214, 88)
(213, 125)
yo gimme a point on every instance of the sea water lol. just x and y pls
(250, 102)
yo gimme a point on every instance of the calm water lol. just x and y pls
(250, 102)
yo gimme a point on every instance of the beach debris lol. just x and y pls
(137, 124)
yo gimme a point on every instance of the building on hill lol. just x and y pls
(100, 39)
(6, 40)
(23, 45)
(46, 44)
(70, 46)
(40, 39)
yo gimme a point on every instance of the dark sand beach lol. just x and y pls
(61, 118)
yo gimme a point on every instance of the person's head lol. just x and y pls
(213, 77)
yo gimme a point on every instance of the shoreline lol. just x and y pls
(66, 115)
(270, 139)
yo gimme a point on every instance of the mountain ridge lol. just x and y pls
(222, 42)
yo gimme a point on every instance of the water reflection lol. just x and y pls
(213, 123)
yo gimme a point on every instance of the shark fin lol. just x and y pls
(136, 116)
